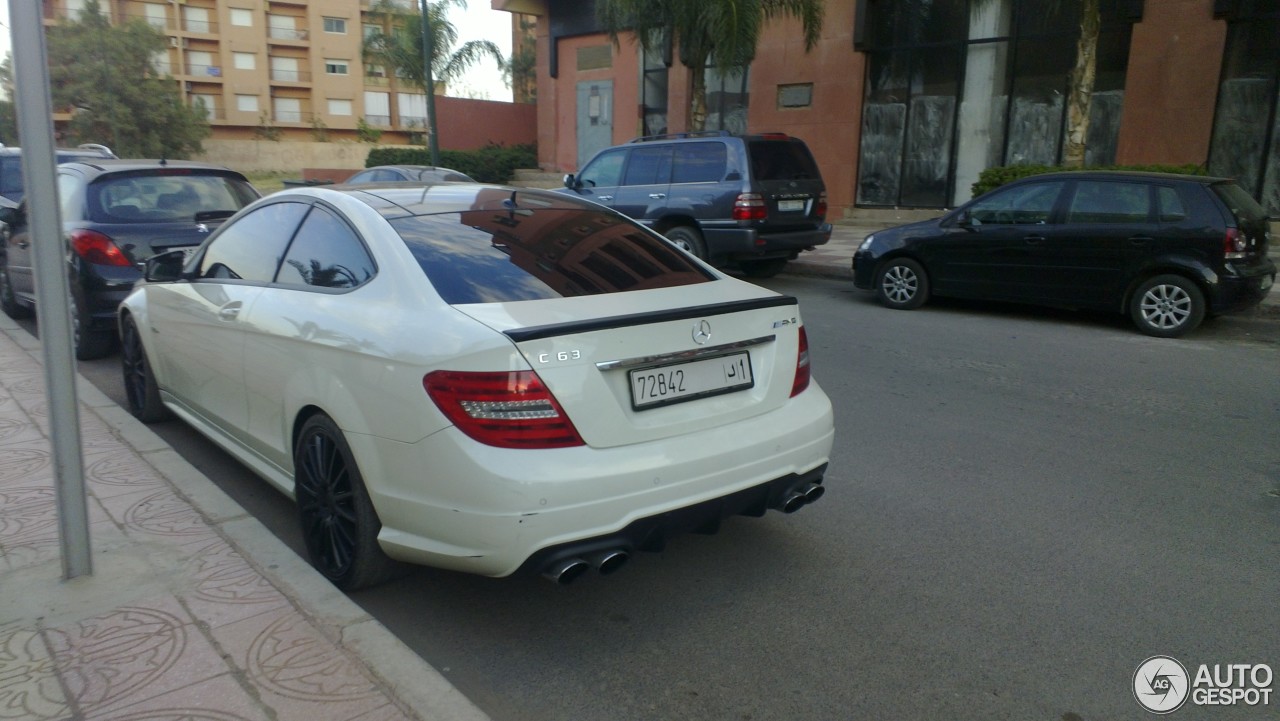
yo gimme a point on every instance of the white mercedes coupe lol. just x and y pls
(486, 379)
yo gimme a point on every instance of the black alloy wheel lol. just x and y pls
(901, 284)
(89, 344)
(140, 386)
(339, 524)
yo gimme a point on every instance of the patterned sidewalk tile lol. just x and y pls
(29, 688)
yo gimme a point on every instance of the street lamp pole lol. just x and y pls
(429, 86)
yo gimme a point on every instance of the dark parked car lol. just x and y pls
(756, 201)
(409, 173)
(116, 214)
(11, 165)
(1166, 249)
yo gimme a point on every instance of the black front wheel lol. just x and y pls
(339, 523)
(140, 386)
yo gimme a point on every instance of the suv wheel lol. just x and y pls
(1167, 306)
(689, 239)
(901, 284)
(762, 268)
(8, 301)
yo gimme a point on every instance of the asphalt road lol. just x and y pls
(1023, 505)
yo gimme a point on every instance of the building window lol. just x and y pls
(206, 104)
(797, 95)
(653, 89)
(241, 17)
(1246, 126)
(340, 107)
(243, 61)
(287, 110)
(727, 97)
(335, 25)
(247, 103)
(156, 15)
(336, 67)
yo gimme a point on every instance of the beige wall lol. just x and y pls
(250, 156)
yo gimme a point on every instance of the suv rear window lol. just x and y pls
(1241, 204)
(486, 256)
(166, 198)
(781, 160)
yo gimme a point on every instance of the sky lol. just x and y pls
(477, 22)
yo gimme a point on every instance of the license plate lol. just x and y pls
(677, 382)
(790, 206)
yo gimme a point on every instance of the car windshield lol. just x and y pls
(165, 198)
(493, 256)
(1242, 205)
(781, 160)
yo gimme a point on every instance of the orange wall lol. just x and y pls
(467, 124)
(1171, 88)
(558, 97)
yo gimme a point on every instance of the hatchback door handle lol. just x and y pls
(23, 244)
(657, 196)
(1140, 239)
(1034, 239)
(605, 197)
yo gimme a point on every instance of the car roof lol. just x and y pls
(102, 166)
(1131, 174)
(399, 200)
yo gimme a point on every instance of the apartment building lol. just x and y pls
(291, 65)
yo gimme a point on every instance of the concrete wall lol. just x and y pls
(250, 156)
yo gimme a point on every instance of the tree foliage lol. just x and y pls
(105, 76)
(398, 46)
(707, 33)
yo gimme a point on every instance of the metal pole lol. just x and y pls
(35, 126)
(429, 86)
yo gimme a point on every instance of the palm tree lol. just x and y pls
(708, 33)
(398, 46)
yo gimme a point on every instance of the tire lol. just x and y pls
(766, 268)
(902, 284)
(8, 299)
(140, 387)
(339, 524)
(1167, 306)
(689, 239)
(89, 344)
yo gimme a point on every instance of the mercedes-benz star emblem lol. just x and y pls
(701, 332)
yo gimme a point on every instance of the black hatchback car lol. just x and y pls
(755, 201)
(116, 214)
(1165, 249)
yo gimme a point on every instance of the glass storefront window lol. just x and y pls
(1246, 128)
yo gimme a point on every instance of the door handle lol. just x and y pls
(657, 196)
(605, 197)
(229, 312)
(1034, 239)
(23, 244)
(1140, 239)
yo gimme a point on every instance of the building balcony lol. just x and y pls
(381, 121)
(287, 34)
(290, 76)
(380, 81)
(205, 27)
(292, 116)
(204, 71)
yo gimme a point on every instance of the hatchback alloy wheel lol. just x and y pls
(902, 284)
(1168, 306)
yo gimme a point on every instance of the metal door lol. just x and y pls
(595, 118)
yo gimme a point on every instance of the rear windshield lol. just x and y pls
(1242, 205)
(166, 198)
(494, 256)
(782, 160)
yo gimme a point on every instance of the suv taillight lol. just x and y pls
(750, 206)
(1233, 245)
(97, 248)
(802, 365)
(504, 409)
(822, 205)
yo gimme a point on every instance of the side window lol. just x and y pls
(1171, 208)
(1032, 203)
(327, 254)
(362, 177)
(11, 177)
(1098, 201)
(68, 195)
(605, 170)
(699, 163)
(250, 248)
(649, 166)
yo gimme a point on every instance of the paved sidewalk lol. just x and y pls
(833, 259)
(194, 610)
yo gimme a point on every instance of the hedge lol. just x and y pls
(993, 178)
(490, 164)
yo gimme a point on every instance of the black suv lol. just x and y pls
(755, 201)
(11, 165)
(1166, 249)
(116, 214)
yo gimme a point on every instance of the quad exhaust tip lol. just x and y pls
(566, 571)
(799, 497)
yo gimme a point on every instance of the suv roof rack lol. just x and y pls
(692, 134)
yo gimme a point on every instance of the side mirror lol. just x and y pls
(165, 267)
(571, 182)
(968, 222)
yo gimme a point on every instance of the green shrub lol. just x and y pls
(993, 178)
(490, 164)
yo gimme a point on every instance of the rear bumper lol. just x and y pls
(748, 243)
(1243, 291)
(449, 502)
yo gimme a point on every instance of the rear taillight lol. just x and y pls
(97, 248)
(822, 205)
(750, 206)
(1233, 245)
(802, 365)
(504, 409)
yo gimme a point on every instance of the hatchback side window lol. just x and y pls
(699, 163)
(604, 171)
(1171, 208)
(326, 253)
(1031, 203)
(649, 166)
(1098, 201)
(251, 248)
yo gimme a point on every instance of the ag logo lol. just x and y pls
(1161, 684)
